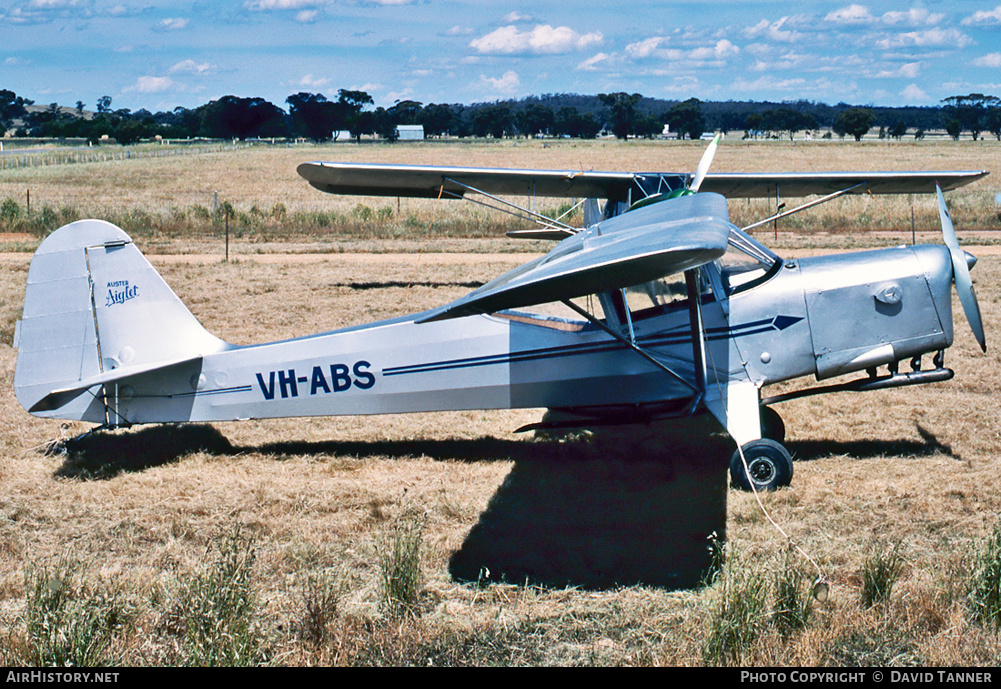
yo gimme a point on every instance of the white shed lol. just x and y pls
(410, 132)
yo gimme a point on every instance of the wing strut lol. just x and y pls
(530, 215)
(698, 329)
(699, 391)
(797, 209)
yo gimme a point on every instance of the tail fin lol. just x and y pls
(94, 304)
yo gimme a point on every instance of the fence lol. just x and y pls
(12, 160)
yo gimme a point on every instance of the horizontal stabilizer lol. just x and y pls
(630, 249)
(59, 398)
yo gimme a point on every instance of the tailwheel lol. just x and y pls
(772, 426)
(769, 466)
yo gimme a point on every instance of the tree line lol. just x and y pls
(624, 115)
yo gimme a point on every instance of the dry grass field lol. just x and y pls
(332, 541)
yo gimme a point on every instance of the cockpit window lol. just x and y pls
(746, 263)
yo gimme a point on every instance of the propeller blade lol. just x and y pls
(705, 163)
(961, 274)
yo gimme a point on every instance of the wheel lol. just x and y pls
(772, 426)
(768, 464)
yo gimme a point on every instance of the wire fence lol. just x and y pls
(13, 160)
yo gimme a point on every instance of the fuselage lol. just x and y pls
(821, 316)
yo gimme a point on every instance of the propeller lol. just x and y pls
(700, 174)
(705, 164)
(961, 273)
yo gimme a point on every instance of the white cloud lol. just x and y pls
(657, 47)
(774, 31)
(192, 67)
(308, 81)
(645, 48)
(172, 24)
(907, 71)
(592, 64)
(507, 83)
(266, 5)
(932, 38)
(913, 17)
(542, 40)
(853, 14)
(721, 51)
(148, 84)
(984, 17)
(914, 93)
(989, 60)
(516, 16)
(306, 16)
(45, 11)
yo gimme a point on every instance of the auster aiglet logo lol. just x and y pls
(120, 291)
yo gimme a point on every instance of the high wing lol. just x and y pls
(629, 249)
(428, 181)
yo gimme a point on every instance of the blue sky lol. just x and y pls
(158, 55)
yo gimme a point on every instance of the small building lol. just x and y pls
(410, 132)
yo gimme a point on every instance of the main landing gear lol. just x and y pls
(768, 463)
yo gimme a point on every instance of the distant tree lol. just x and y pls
(79, 108)
(438, 120)
(686, 118)
(649, 126)
(854, 121)
(493, 120)
(312, 115)
(954, 128)
(919, 134)
(406, 112)
(365, 122)
(187, 122)
(623, 114)
(104, 104)
(385, 123)
(993, 122)
(571, 122)
(12, 107)
(788, 120)
(349, 113)
(242, 118)
(754, 124)
(898, 130)
(536, 120)
(970, 111)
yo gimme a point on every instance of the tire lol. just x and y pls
(772, 426)
(768, 462)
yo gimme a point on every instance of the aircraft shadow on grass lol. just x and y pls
(808, 450)
(618, 510)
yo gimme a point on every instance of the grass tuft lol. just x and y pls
(880, 572)
(67, 621)
(738, 609)
(985, 580)
(401, 566)
(792, 608)
(218, 609)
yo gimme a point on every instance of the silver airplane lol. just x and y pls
(657, 307)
